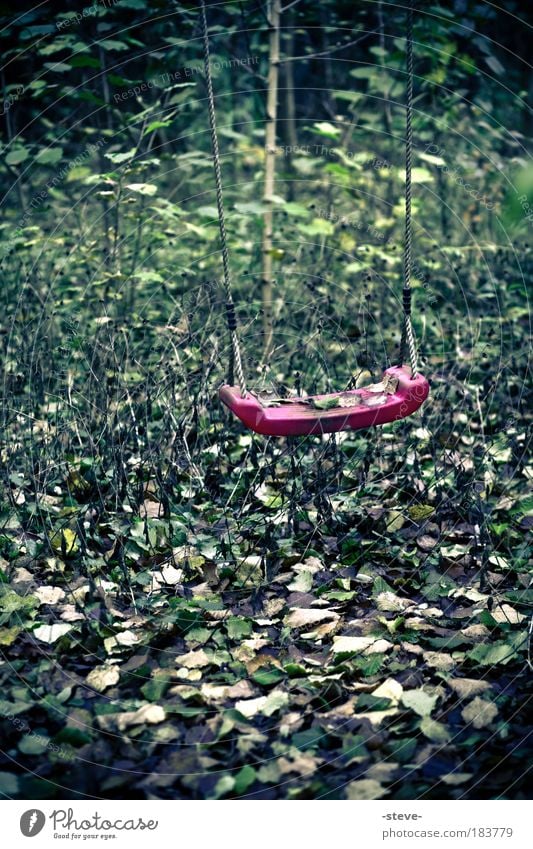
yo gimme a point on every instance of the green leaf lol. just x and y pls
(238, 628)
(267, 676)
(324, 128)
(296, 209)
(302, 583)
(244, 779)
(326, 403)
(11, 602)
(73, 736)
(492, 654)
(9, 635)
(65, 542)
(143, 188)
(57, 67)
(156, 125)
(119, 158)
(84, 61)
(17, 156)
(113, 44)
(317, 227)
(251, 208)
(50, 156)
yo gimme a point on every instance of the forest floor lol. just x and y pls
(327, 618)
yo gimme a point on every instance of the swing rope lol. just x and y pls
(408, 344)
(235, 364)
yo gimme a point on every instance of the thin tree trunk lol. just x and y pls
(329, 76)
(289, 130)
(274, 8)
(17, 179)
(386, 102)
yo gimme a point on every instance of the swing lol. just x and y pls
(402, 389)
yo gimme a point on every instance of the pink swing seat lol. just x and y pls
(301, 418)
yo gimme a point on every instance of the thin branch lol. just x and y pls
(328, 52)
(290, 5)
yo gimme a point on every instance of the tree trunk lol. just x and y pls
(289, 125)
(274, 8)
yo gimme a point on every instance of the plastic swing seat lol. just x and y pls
(299, 417)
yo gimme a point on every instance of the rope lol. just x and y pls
(408, 337)
(235, 364)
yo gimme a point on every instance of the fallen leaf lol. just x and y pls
(389, 689)
(392, 603)
(419, 512)
(439, 660)
(49, 595)
(276, 700)
(425, 542)
(365, 788)
(302, 763)
(126, 638)
(193, 660)
(479, 712)
(389, 384)
(374, 401)
(147, 714)
(51, 633)
(364, 645)
(65, 541)
(419, 701)
(300, 617)
(250, 707)
(476, 632)
(506, 613)
(453, 779)
(150, 510)
(302, 583)
(466, 687)
(434, 731)
(102, 677)
(171, 575)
